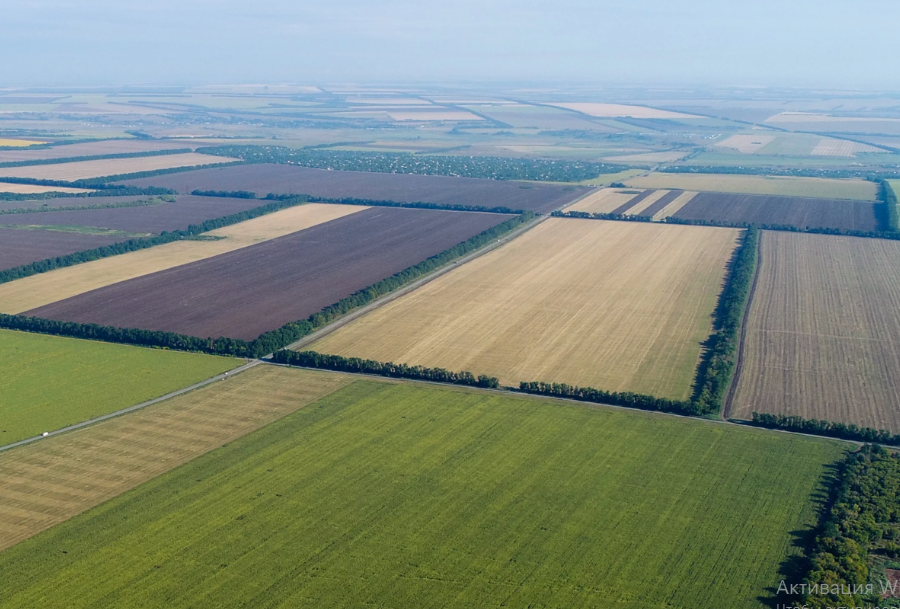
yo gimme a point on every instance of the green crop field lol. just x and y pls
(49, 382)
(399, 495)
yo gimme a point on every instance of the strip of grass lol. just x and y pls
(84, 230)
(397, 495)
(50, 382)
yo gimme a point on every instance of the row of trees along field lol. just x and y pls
(625, 398)
(890, 201)
(103, 190)
(494, 168)
(860, 534)
(312, 359)
(46, 208)
(719, 224)
(825, 428)
(95, 157)
(274, 340)
(131, 245)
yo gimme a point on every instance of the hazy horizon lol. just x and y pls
(799, 43)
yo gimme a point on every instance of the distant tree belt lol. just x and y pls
(598, 396)
(889, 197)
(825, 428)
(231, 194)
(43, 266)
(95, 157)
(312, 359)
(98, 182)
(142, 203)
(868, 173)
(686, 221)
(495, 168)
(860, 529)
(268, 342)
(414, 204)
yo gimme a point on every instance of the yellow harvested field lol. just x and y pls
(614, 110)
(620, 306)
(603, 201)
(746, 143)
(434, 116)
(39, 290)
(31, 189)
(9, 143)
(828, 146)
(673, 207)
(50, 481)
(82, 170)
(652, 198)
(860, 190)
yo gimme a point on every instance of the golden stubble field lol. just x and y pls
(618, 306)
(39, 290)
(52, 480)
(860, 190)
(82, 170)
(823, 332)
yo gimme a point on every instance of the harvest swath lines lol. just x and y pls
(386, 494)
(89, 379)
(612, 305)
(37, 491)
(823, 336)
(45, 288)
(860, 190)
(81, 170)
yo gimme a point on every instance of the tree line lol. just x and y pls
(598, 396)
(859, 531)
(889, 197)
(411, 205)
(233, 194)
(825, 428)
(44, 208)
(95, 157)
(494, 168)
(312, 359)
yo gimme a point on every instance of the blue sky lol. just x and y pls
(827, 43)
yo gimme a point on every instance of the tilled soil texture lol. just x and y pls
(289, 179)
(802, 212)
(244, 293)
(18, 247)
(185, 211)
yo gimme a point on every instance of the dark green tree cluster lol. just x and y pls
(412, 205)
(717, 365)
(233, 194)
(889, 197)
(863, 523)
(311, 359)
(825, 428)
(584, 215)
(598, 396)
(494, 168)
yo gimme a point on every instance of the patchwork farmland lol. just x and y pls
(98, 148)
(405, 188)
(391, 494)
(619, 306)
(859, 190)
(823, 336)
(81, 170)
(244, 293)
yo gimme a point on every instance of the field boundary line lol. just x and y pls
(117, 413)
(739, 362)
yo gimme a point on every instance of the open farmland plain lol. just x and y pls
(89, 379)
(20, 246)
(384, 494)
(801, 212)
(619, 306)
(405, 188)
(860, 190)
(82, 170)
(45, 483)
(98, 148)
(243, 293)
(43, 289)
(822, 335)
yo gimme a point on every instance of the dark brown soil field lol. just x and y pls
(185, 211)
(69, 202)
(662, 202)
(18, 247)
(91, 149)
(289, 179)
(801, 212)
(244, 293)
(621, 209)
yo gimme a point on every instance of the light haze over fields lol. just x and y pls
(828, 43)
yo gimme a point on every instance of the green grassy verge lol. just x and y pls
(397, 495)
(50, 382)
(84, 230)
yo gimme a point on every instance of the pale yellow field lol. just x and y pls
(832, 147)
(18, 143)
(746, 143)
(673, 207)
(614, 110)
(620, 306)
(31, 189)
(81, 170)
(39, 290)
(52, 480)
(602, 201)
(861, 190)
